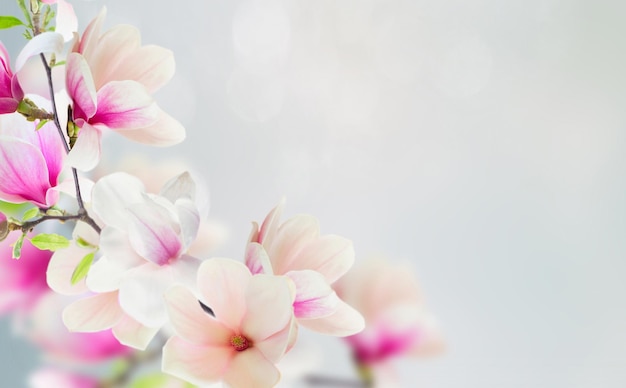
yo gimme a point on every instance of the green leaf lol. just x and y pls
(81, 242)
(41, 124)
(10, 21)
(30, 214)
(17, 247)
(82, 268)
(50, 241)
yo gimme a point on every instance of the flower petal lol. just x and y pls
(85, 155)
(291, 237)
(48, 140)
(270, 225)
(269, 306)
(222, 284)
(23, 172)
(153, 234)
(142, 291)
(132, 333)
(152, 66)
(314, 296)
(257, 260)
(80, 86)
(115, 245)
(345, 321)
(191, 322)
(166, 131)
(67, 22)
(189, 220)
(125, 105)
(199, 365)
(95, 313)
(330, 255)
(113, 194)
(46, 42)
(251, 369)
(61, 268)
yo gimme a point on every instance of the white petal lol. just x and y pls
(113, 194)
(132, 333)
(85, 155)
(47, 42)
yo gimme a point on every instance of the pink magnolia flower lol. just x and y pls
(23, 281)
(397, 322)
(53, 377)
(143, 243)
(110, 78)
(94, 313)
(10, 90)
(246, 334)
(313, 262)
(30, 161)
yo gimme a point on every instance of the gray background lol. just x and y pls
(482, 140)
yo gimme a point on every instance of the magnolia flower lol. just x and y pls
(143, 243)
(397, 323)
(30, 161)
(93, 313)
(110, 78)
(23, 281)
(313, 262)
(240, 336)
(10, 90)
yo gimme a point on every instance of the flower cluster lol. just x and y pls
(136, 272)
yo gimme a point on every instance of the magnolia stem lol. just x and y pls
(82, 212)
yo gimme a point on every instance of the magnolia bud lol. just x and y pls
(4, 227)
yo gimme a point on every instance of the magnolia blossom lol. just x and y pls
(243, 330)
(110, 78)
(397, 322)
(23, 281)
(10, 90)
(30, 161)
(313, 262)
(143, 245)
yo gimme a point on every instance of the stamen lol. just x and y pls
(240, 342)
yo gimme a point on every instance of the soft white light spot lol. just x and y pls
(255, 97)
(261, 34)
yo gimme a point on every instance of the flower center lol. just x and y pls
(239, 342)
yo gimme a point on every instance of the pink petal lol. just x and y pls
(269, 303)
(112, 195)
(153, 234)
(199, 365)
(314, 296)
(290, 239)
(48, 140)
(330, 255)
(80, 86)
(222, 284)
(67, 22)
(270, 225)
(46, 42)
(85, 154)
(23, 172)
(257, 260)
(95, 313)
(191, 322)
(251, 369)
(60, 270)
(345, 321)
(275, 346)
(89, 40)
(152, 66)
(115, 245)
(8, 105)
(125, 105)
(132, 333)
(166, 131)
(112, 51)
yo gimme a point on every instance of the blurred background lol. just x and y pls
(481, 141)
